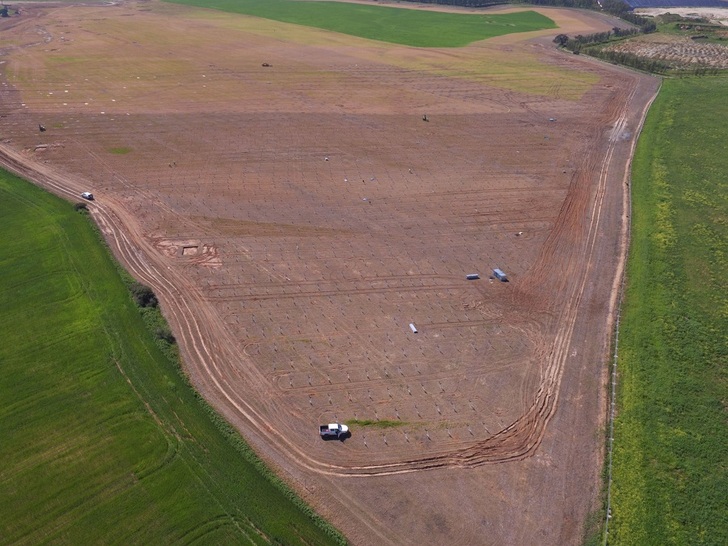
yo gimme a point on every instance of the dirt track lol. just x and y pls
(294, 219)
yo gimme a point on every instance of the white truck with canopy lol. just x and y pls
(333, 430)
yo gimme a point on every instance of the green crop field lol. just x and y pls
(101, 438)
(394, 25)
(670, 474)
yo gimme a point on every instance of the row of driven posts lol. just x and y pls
(497, 273)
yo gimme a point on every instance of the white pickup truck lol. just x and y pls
(333, 430)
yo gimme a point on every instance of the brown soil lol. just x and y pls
(294, 219)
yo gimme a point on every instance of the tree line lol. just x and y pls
(578, 42)
(625, 58)
(655, 66)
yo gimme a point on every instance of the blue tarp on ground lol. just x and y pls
(677, 3)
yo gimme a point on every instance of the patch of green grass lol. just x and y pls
(122, 150)
(103, 439)
(670, 473)
(384, 423)
(386, 24)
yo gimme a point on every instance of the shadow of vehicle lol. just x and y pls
(340, 438)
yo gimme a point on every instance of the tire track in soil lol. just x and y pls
(209, 345)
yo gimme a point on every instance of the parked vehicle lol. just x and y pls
(498, 274)
(333, 430)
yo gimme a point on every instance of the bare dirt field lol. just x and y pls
(296, 218)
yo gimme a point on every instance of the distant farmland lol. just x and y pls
(395, 25)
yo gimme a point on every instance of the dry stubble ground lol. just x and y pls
(296, 218)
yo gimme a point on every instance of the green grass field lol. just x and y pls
(394, 25)
(383, 423)
(101, 438)
(670, 474)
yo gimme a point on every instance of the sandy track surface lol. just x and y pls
(294, 219)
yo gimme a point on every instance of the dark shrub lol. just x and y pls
(143, 295)
(166, 335)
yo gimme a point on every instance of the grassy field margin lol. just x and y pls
(387, 24)
(103, 439)
(670, 465)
